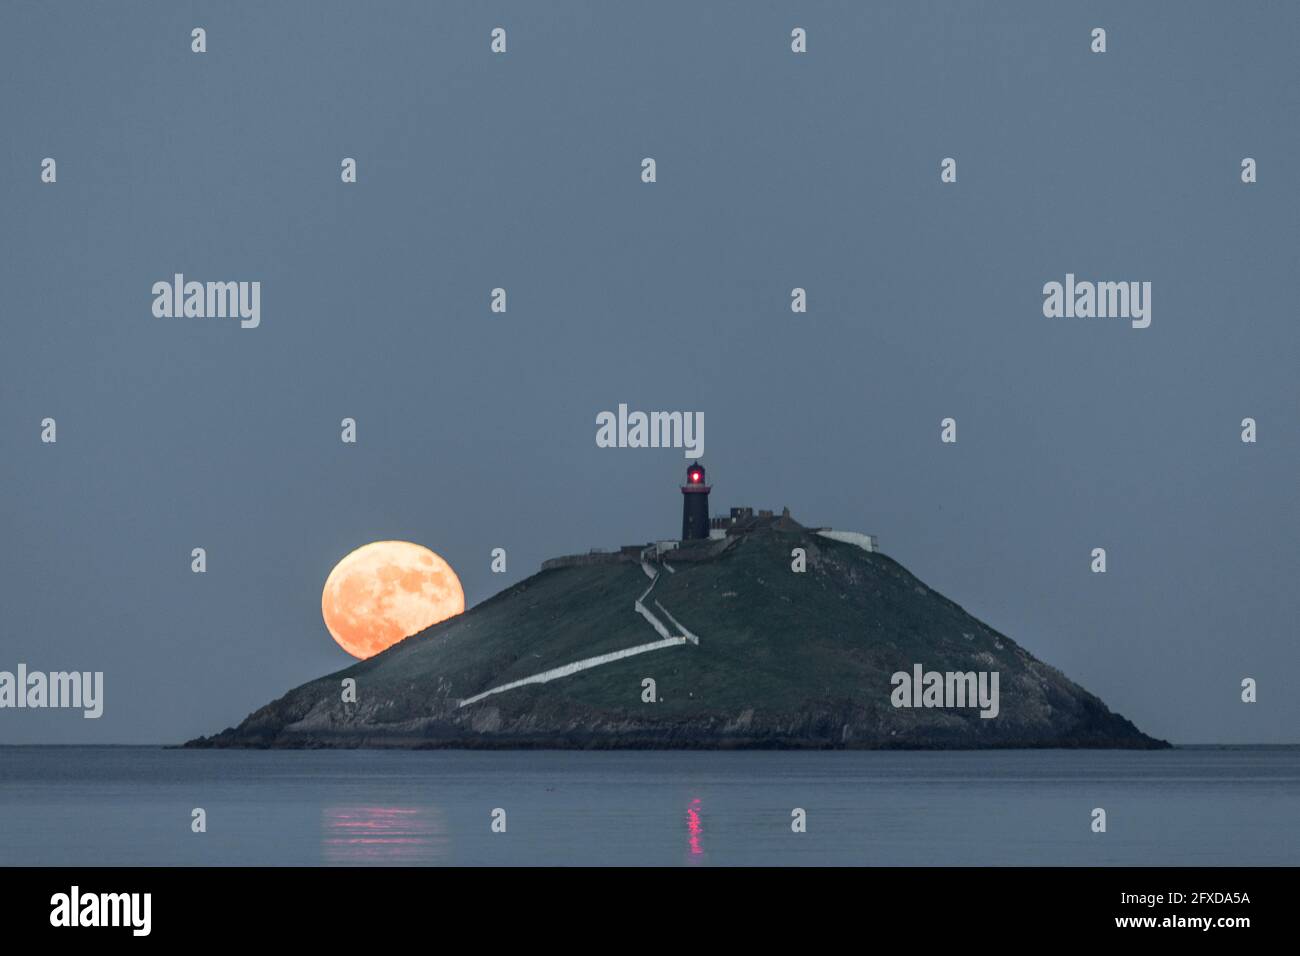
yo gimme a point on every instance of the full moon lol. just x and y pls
(386, 591)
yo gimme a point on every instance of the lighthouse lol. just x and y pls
(695, 504)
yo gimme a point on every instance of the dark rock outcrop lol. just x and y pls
(784, 660)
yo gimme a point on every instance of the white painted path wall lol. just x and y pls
(576, 667)
(668, 640)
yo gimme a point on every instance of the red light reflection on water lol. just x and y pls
(380, 835)
(694, 827)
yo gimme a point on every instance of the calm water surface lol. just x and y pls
(132, 806)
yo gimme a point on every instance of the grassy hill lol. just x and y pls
(784, 660)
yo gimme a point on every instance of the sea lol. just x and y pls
(128, 806)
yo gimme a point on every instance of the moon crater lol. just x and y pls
(384, 592)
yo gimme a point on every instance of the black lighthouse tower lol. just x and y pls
(695, 504)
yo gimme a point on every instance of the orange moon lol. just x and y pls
(386, 591)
